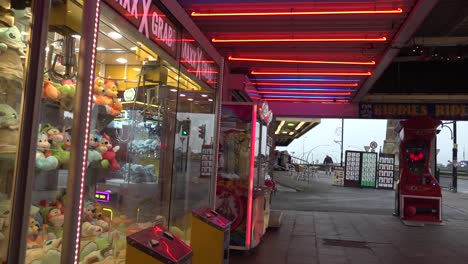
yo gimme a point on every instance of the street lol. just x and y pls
(462, 183)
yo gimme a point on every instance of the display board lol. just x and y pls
(368, 169)
(352, 168)
(206, 161)
(338, 176)
(385, 176)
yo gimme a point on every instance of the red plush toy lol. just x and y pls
(108, 152)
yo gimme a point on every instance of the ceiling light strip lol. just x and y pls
(381, 39)
(354, 84)
(303, 61)
(278, 129)
(314, 73)
(300, 13)
(299, 126)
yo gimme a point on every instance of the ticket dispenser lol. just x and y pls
(210, 237)
(420, 193)
(155, 245)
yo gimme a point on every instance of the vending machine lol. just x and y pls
(420, 197)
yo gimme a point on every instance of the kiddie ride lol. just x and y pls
(420, 197)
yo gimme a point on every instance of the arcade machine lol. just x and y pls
(420, 197)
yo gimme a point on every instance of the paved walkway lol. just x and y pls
(351, 225)
(338, 238)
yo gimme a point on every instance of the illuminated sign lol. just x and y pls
(149, 20)
(198, 62)
(102, 196)
(442, 111)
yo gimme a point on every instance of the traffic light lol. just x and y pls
(185, 128)
(201, 131)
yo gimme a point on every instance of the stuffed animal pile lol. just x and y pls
(63, 93)
(53, 150)
(105, 93)
(145, 147)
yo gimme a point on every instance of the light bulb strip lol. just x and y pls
(303, 61)
(381, 39)
(299, 13)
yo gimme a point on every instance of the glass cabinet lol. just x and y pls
(143, 123)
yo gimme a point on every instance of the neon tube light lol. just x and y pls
(304, 93)
(381, 39)
(251, 178)
(192, 71)
(306, 89)
(307, 100)
(304, 61)
(305, 96)
(354, 84)
(303, 79)
(300, 13)
(314, 73)
(299, 100)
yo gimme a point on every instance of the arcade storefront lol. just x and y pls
(104, 123)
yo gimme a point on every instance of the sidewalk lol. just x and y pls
(339, 238)
(339, 225)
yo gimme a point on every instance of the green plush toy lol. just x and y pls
(57, 141)
(10, 37)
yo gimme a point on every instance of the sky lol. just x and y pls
(321, 140)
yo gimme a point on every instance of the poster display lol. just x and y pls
(338, 176)
(206, 161)
(368, 169)
(386, 171)
(352, 168)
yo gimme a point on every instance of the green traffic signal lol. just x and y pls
(184, 132)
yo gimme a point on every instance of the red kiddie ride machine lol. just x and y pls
(420, 197)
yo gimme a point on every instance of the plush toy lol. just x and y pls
(10, 37)
(67, 93)
(54, 218)
(93, 154)
(99, 97)
(88, 211)
(121, 222)
(57, 140)
(5, 212)
(108, 153)
(8, 128)
(44, 159)
(88, 230)
(114, 107)
(49, 91)
(67, 139)
(49, 253)
(97, 255)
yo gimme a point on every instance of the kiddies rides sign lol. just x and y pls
(419, 192)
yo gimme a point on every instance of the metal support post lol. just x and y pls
(454, 158)
(342, 130)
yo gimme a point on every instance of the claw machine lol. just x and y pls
(241, 194)
(96, 106)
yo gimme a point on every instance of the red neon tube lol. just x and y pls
(300, 13)
(354, 84)
(251, 178)
(314, 73)
(306, 100)
(382, 39)
(304, 61)
(302, 93)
